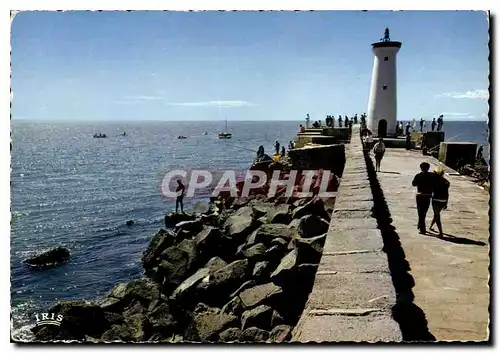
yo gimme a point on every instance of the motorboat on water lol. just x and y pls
(99, 136)
(181, 137)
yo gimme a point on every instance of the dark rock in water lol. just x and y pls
(267, 232)
(120, 333)
(310, 249)
(314, 207)
(237, 227)
(190, 284)
(233, 307)
(258, 317)
(262, 294)
(130, 222)
(277, 319)
(208, 323)
(162, 320)
(280, 214)
(225, 280)
(230, 335)
(150, 258)
(189, 227)
(261, 270)
(254, 334)
(312, 226)
(255, 252)
(79, 319)
(286, 267)
(280, 334)
(173, 218)
(215, 263)
(50, 258)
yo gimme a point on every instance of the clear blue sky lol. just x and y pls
(242, 65)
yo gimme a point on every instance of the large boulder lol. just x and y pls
(215, 263)
(208, 323)
(232, 334)
(286, 268)
(268, 294)
(267, 232)
(261, 270)
(79, 319)
(280, 334)
(279, 214)
(255, 252)
(178, 262)
(209, 241)
(138, 325)
(237, 226)
(151, 256)
(117, 333)
(254, 334)
(310, 249)
(312, 226)
(314, 207)
(188, 229)
(162, 320)
(141, 291)
(233, 307)
(49, 258)
(173, 218)
(257, 317)
(189, 286)
(225, 280)
(261, 208)
(245, 211)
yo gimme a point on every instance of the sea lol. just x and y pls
(70, 189)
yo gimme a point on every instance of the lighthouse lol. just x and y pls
(382, 104)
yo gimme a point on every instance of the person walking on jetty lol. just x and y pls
(340, 120)
(422, 124)
(180, 196)
(379, 151)
(440, 197)
(408, 140)
(424, 181)
(433, 124)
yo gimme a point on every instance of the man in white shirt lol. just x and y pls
(379, 150)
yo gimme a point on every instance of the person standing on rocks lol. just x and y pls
(424, 181)
(180, 196)
(277, 147)
(379, 151)
(439, 199)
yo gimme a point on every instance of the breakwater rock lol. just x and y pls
(232, 274)
(49, 258)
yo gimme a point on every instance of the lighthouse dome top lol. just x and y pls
(386, 41)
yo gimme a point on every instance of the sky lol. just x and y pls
(148, 65)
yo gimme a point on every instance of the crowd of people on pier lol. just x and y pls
(330, 122)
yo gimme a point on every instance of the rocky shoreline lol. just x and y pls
(239, 272)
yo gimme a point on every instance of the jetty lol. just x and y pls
(379, 279)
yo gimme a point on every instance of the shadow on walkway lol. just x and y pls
(387, 172)
(457, 240)
(410, 317)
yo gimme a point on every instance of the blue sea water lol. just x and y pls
(72, 189)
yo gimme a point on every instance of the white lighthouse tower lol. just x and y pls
(382, 106)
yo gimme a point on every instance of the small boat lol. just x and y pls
(181, 137)
(225, 135)
(124, 134)
(99, 136)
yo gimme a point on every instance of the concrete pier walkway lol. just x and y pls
(451, 275)
(379, 279)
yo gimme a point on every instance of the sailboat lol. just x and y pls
(225, 135)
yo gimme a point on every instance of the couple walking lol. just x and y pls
(431, 188)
